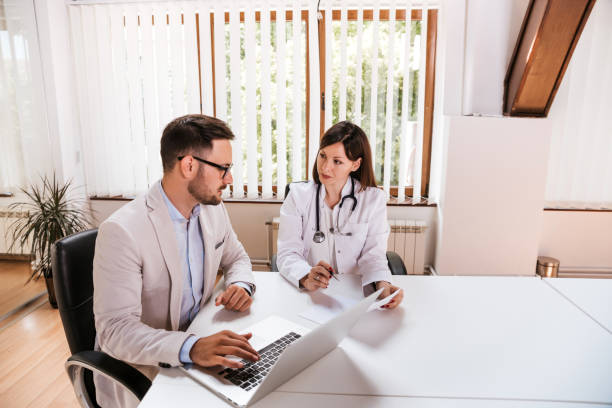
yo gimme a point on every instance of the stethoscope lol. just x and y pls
(319, 236)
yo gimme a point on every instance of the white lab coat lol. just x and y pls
(363, 253)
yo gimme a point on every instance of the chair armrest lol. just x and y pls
(101, 363)
(396, 265)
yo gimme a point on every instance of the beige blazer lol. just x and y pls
(138, 284)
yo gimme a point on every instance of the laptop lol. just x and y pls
(285, 349)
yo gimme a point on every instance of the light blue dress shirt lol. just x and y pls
(191, 252)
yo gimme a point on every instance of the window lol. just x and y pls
(145, 64)
(363, 87)
(22, 111)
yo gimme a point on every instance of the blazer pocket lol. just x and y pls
(218, 244)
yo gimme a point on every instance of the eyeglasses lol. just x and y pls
(225, 169)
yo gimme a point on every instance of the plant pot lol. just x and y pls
(51, 291)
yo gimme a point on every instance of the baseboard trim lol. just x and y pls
(15, 257)
(585, 272)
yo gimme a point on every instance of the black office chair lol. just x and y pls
(72, 263)
(395, 263)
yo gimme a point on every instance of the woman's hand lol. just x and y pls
(318, 277)
(387, 290)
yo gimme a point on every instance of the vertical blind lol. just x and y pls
(580, 164)
(255, 65)
(24, 151)
(375, 77)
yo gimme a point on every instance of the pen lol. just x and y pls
(331, 271)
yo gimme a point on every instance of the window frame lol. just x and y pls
(416, 14)
(430, 71)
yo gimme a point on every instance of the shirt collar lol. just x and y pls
(175, 215)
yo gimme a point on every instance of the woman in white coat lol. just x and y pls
(337, 223)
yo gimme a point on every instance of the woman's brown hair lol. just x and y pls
(356, 145)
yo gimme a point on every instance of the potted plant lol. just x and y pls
(50, 214)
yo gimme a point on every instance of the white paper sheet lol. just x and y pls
(381, 302)
(328, 307)
(328, 303)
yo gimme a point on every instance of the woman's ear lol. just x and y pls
(356, 165)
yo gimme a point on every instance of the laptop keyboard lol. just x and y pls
(251, 374)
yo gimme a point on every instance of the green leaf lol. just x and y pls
(50, 214)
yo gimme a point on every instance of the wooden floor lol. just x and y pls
(13, 288)
(33, 350)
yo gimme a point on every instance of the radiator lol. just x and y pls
(407, 239)
(7, 217)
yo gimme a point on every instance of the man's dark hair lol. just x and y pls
(188, 134)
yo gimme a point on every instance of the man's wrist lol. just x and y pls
(249, 287)
(184, 354)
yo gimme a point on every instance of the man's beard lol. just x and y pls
(200, 193)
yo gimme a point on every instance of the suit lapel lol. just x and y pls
(209, 254)
(166, 237)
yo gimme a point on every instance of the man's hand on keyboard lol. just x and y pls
(211, 351)
(234, 298)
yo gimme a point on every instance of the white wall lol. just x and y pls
(490, 211)
(491, 31)
(449, 71)
(580, 240)
(479, 37)
(249, 219)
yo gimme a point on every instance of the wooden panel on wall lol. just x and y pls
(549, 33)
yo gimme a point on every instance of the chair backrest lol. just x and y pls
(288, 186)
(72, 263)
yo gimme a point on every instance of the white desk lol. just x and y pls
(455, 341)
(593, 296)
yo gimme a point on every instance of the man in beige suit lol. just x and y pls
(157, 257)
